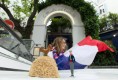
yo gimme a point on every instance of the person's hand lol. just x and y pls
(49, 48)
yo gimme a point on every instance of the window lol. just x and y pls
(100, 11)
(103, 11)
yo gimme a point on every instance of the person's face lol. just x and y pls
(63, 44)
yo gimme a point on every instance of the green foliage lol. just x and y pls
(86, 10)
(91, 24)
(110, 20)
(113, 18)
(6, 2)
(21, 12)
(102, 22)
(106, 58)
(57, 23)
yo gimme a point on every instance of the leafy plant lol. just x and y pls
(108, 22)
(106, 58)
(59, 25)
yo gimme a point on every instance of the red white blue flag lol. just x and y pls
(86, 50)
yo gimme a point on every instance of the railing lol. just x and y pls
(32, 47)
(29, 44)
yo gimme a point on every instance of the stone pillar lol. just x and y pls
(78, 33)
(39, 35)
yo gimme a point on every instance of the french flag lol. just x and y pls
(86, 50)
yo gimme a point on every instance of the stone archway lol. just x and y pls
(39, 31)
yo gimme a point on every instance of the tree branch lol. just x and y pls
(16, 22)
(33, 13)
(2, 1)
(7, 11)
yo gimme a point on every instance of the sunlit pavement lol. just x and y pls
(81, 74)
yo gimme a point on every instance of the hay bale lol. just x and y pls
(44, 67)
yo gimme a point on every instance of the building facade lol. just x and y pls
(103, 7)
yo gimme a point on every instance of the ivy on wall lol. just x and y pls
(87, 12)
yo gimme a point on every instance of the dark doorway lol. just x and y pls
(59, 26)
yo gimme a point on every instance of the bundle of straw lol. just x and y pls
(44, 67)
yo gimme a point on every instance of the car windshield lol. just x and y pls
(12, 42)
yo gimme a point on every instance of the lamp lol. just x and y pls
(36, 51)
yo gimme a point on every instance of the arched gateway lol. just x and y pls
(40, 29)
